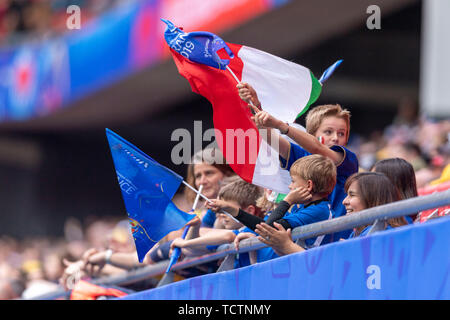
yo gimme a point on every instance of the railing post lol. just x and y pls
(378, 225)
(166, 279)
(227, 263)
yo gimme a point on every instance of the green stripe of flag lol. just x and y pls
(316, 89)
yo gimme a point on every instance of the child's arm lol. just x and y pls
(304, 139)
(213, 237)
(217, 205)
(248, 94)
(242, 236)
(194, 230)
(297, 196)
(246, 218)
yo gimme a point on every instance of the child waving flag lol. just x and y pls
(202, 58)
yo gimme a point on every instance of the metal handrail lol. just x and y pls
(361, 218)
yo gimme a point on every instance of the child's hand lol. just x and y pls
(242, 236)
(298, 195)
(177, 243)
(217, 205)
(247, 93)
(194, 222)
(263, 119)
(278, 238)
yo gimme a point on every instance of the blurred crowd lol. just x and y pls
(33, 267)
(423, 142)
(39, 18)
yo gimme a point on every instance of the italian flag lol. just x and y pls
(285, 90)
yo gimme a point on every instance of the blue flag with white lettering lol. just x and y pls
(199, 46)
(147, 190)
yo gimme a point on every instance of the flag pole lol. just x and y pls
(201, 195)
(238, 81)
(195, 190)
(232, 73)
(177, 251)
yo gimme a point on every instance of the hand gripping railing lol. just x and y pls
(365, 217)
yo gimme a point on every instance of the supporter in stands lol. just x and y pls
(313, 179)
(207, 168)
(239, 193)
(365, 190)
(401, 174)
(96, 261)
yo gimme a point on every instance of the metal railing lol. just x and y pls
(228, 251)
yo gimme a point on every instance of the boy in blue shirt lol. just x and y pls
(327, 133)
(313, 179)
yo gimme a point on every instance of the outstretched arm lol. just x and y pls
(123, 260)
(307, 141)
(248, 94)
(213, 237)
(265, 120)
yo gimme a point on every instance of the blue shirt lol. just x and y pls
(348, 166)
(301, 215)
(366, 231)
(208, 219)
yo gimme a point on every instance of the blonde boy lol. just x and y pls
(327, 133)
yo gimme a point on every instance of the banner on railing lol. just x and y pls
(411, 262)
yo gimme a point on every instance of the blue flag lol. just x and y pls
(147, 190)
(200, 47)
(327, 73)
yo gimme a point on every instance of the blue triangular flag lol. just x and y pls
(329, 71)
(147, 190)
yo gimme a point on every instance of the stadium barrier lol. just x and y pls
(228, 251)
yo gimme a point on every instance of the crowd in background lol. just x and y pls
(40, 18)
(34, 266)
(423, 142)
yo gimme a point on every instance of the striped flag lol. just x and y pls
(285, 89)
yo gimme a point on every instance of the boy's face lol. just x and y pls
(333, 130)
(297, 182)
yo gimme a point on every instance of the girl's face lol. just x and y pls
(353, 201)
(333, 130)
(208, 176)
